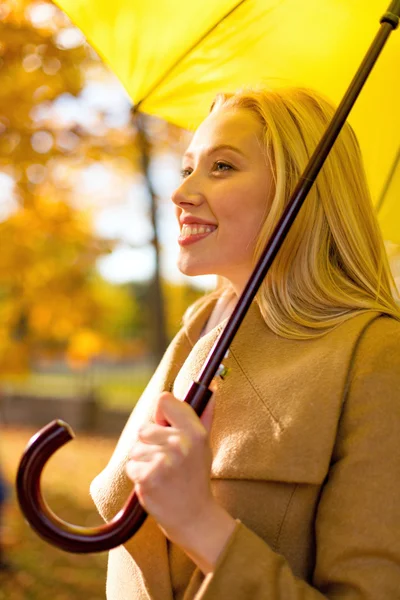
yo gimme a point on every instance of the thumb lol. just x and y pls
(208, 414)
(159, 413)
(172, 411)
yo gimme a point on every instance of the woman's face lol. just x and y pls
(224, 196)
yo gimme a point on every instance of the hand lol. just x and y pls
(170, 467)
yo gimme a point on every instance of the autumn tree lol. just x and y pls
(49, 248)
(47, 296)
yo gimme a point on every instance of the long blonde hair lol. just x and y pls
(333, 263)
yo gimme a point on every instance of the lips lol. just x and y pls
(191, 220)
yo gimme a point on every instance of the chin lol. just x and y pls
(192, 270)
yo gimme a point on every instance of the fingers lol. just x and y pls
(170, 466)
(176, 445)
(140, 472)
(159, 448)
(208, 414)
(144, 452)
(176, 413)
(181, 415)
(156, 434)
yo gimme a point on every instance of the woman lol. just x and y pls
(301, 438)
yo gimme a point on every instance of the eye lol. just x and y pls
(185, 173)
(221, 166)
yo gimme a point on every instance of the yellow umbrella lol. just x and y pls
(173, 56)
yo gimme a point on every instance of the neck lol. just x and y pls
(222, 310)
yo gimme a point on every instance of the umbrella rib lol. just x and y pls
(183, 56)
(388, 181)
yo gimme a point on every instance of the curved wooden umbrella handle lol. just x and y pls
(66, 536)
(42, 519)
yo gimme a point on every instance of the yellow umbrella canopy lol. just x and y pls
(173, 56)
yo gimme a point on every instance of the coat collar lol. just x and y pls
(283, 394)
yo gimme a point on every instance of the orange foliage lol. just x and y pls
(51, 299)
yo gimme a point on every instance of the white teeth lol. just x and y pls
(188, 230)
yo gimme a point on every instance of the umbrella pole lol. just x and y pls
(53, 436)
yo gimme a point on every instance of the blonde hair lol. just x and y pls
(333, 263)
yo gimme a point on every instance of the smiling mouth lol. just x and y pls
(193, 233)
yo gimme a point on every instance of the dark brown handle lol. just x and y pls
(51, 528)
(41, 518)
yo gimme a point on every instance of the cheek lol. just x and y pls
(242, 219)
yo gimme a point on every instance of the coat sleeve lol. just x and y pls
(357, 522)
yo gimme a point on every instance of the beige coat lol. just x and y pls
(306, 446)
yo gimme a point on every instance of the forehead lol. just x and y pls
(232, 126)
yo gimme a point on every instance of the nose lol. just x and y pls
(187, 193)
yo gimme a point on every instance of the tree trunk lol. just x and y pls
(159, 339)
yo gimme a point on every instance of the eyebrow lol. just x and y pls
(215, 149)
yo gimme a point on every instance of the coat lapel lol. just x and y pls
(276, 413)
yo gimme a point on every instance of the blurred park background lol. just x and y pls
(89, 291)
